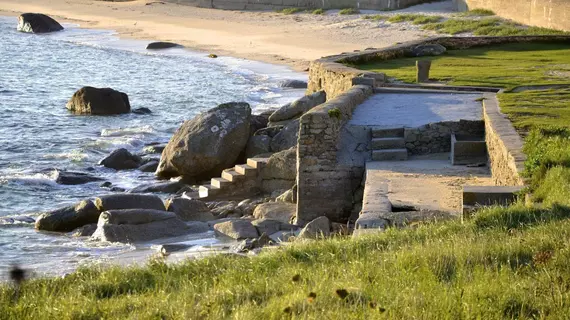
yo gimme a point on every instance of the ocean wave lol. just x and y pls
(41, 179)
(119, 132)
(74, 155)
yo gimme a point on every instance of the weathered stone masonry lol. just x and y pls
(436, 137)
(504, 145)
(325, 187)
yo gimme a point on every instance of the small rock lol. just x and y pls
(68, 218)
(279, 211)
(288, 196)
(251, 244)
(320, 227)
(293, 84)
(141, 111)
(213, 56)
(167, 249)
(85, 231)
(237, 229)
(129, 201)
(74, 178)
(161, 187)
(162, 45)
(269, 226)
(99, 101)
(189, 210)
(298, 107)
(154, 149)
(106, 184)
(121, 159)
(149, 166)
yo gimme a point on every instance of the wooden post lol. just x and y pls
(422, 69)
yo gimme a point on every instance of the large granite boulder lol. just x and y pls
(298, 107)
(121, 159)
(137, 225)
(37, 23)
(129, 201)
(287, 137)
(281, 165)
(209, 143)
(160, 187)
(68, 218)
(162, 45)
(280, 211)
(257, 145)
(237, 229)
(99, 101)
(189, 209)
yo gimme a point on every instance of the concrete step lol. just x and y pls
(257, 163)
(390, 154)
(220, 183)
(490, 195)
(232, 175)
(206, 191)
(246, 170)
(388, 143)
(388, 133)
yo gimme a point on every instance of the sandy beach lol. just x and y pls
(271, 37)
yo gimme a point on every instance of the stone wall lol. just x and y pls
(542, 13)
(325, 185)
(312, 4)
(333, 74)
(436, 137)
(504, 145)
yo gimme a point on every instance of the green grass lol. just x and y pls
(509, 264)
(348, 11)
(543, 115)
(375, 17)
(476, 13)
(290, 10)
(488, 27)
(414, 18)
(318, 11)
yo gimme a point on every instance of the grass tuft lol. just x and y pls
(290, 10)
(414, 18)
(375, 17)
(318, 11)
(348, 11)
(477, 13)
(488, 27)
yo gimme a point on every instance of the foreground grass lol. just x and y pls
(543, 115)
(477, 13)
(414, 18)
(504, 264)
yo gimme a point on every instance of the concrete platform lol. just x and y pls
(391, 110)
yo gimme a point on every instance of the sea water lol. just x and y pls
(38, 75)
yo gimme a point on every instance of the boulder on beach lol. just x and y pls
(298, 107)
(318, 228)
(280, 211)
(99, 101)
(37, 23)
(257, 145)
(162, 45)
(141, 111)
(68, 218)
(287, 137)
(211, 142)
(137, 225)
(129, 201)
(161, 187)
(237, 229)
(189, 209)
(121, 159)
(74, 178)
(293, 84)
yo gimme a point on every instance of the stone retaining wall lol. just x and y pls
(436, 137)
(504, 145)
(333, 73)
(326, 186)
(310, 4)
(542, 13)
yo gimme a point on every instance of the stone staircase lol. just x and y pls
(388, 145)
(241, 180)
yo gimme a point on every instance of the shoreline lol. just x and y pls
(292, 40)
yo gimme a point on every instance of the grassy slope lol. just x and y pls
(544, 113)
(506, 263)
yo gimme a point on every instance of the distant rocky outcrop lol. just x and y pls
(162, 45)
(37, 23)
(209, 143)
(99, 101)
